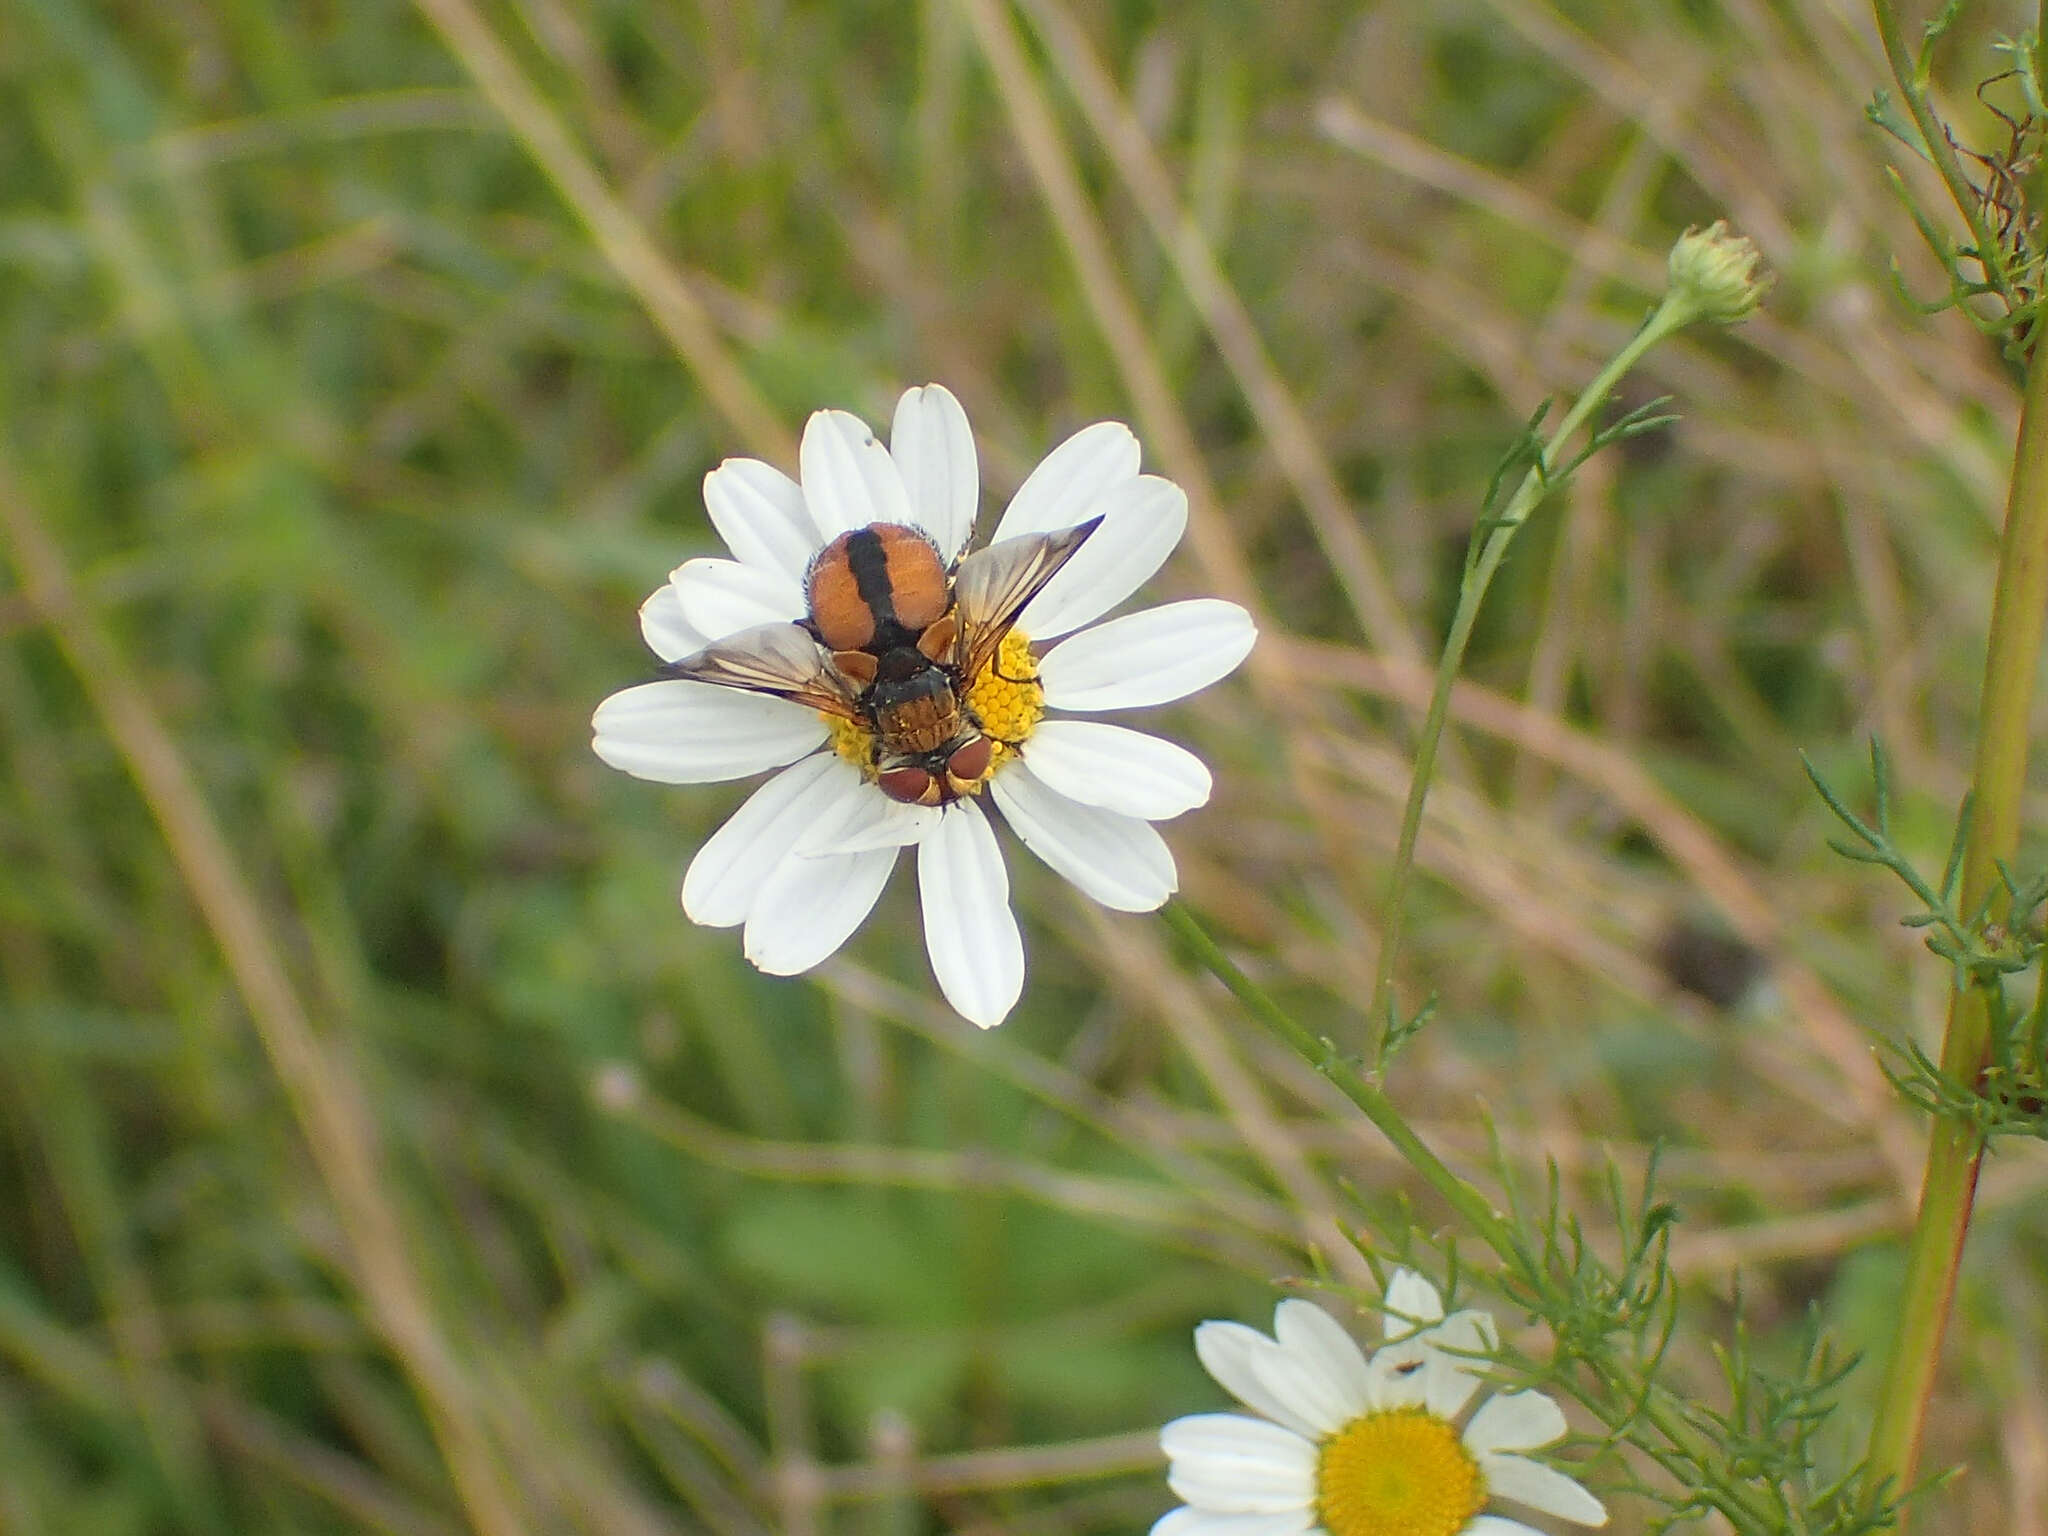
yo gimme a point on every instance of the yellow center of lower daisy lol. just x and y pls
(1397, 1473)
(1005, 697)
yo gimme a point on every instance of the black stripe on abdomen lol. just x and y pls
(868, 560)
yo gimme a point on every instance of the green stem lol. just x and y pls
(1989, 253)
(2039, 62)
(1672, 315)
(2035, 1032)
(1463, 1197)
(1955, 1151)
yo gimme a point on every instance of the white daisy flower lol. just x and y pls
(1346, 1446)
(803, 861)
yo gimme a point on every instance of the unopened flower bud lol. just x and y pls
(1717, 273)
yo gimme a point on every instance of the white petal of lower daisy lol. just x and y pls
(1449, 1374)
(1514, 1421)
(1543, 1489)
(934, 452)
(1469, 1329)
(1234, 1465)
(1305, 1386)
(1206, 1522)
(1229, 1352)
(1142, 521)
(693, 733)
(1067, 481)
(1235, 1492)
(1120, 770)
(723, 597)
(1152, 657)
(760, 513)
(1498, 1525)
(1398, 1379)
(964, 890)
(667, 633)
(1434, 1386)
(808, 907)
(735, 862)
(1411, 1302)
(849, 479)
(1234, 1437)
(1118, 860)
(1318, 1344)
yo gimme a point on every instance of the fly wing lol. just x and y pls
(992, 586)
(777, 659)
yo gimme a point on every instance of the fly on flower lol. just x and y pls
(896, 639)
(897, 682)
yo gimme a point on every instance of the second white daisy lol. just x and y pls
(1356, 1447)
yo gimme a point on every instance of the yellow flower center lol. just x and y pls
(1397, 1473)
(853, 741)
(1006, 698)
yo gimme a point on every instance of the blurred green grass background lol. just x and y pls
(384, 1151)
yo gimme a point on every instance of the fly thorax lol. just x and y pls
(916, 714)
(900, 664)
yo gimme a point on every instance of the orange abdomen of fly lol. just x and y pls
(876, 589)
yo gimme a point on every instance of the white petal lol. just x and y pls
(873, 821)
(668, 634)
(1150, 657)
(1398, 1378)
(1516, 1421)
(1543, 1489)
(1318, 1343)
(807, 908)
(1411, 1302)
(1303, 1382)
(1229, 1352)
(735, 862)
(1142, 522)
(1468, 1329)
(760, 513)
(1498, 1525)
(1234, 1465)
(1119, 770)
(1228, 1437)
(1206, 1522)
(1450, 1370)
(934, 452)
(1447, 1385)
(1118, 860)
(1224, 1463)
(977, 953)
(723, 597)
(692, 733)
(849, 479)
(1067, 481)
(1234, 1494)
